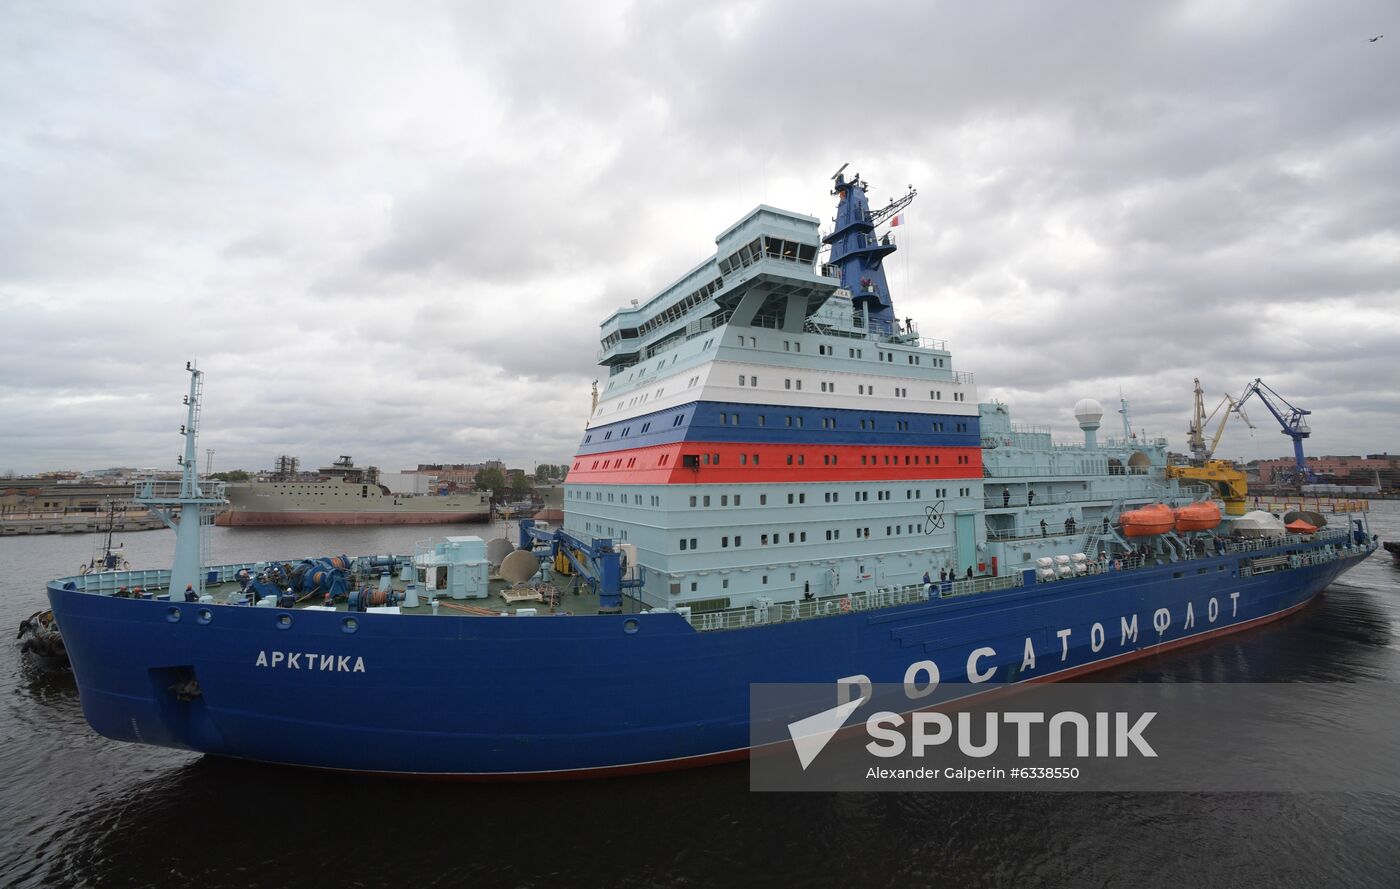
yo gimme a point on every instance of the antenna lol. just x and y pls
(208, 461)
(840, 171)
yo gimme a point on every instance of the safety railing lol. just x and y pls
(833, 606)
(109, 582)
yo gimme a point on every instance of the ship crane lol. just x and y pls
(893, 207)
(1195, 438)
(1292, 419)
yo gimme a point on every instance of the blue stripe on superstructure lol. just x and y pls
(701, 421)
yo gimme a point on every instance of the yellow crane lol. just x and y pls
(1221, 475)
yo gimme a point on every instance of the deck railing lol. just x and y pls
(831, 606)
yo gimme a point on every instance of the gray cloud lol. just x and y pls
(393, 233)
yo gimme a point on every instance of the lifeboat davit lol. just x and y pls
(1197, 516)
(1148, 521)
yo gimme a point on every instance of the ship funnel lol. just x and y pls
(1089, 412)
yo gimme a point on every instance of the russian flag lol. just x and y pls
(897, 219)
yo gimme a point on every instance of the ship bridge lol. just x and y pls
(764, 274)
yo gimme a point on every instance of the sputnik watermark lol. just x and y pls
(1102, 734)
(935, 729)
(1070, 737)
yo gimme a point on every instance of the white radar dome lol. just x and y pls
(1087, 410)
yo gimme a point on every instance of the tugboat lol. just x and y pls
(110, 557)
(39, 639)
(41, 643)
(781, 482)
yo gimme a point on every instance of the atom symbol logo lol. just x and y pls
(933, 518)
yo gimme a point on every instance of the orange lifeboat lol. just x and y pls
(1148, 521)
(1197, 516)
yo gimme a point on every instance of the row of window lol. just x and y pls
(598, 530)
(680, 307)
(699, 460)
(765, 247)
(793, 459)
(775, 538)
(861, 388)
(621, 498)
(751, 341)
(793, 498)
(792, 422)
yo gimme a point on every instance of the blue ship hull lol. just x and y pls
(580, 695)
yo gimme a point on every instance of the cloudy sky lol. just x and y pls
(391, 230)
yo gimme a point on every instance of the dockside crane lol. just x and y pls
(1292, 419)
(1195, 438)
(1221, 475)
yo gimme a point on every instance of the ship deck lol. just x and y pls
(568, 601)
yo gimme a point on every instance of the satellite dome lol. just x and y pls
(1087, 410)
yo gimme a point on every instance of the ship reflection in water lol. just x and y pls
(207, 821)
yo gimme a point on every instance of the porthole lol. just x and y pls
(630, 625)
(172, 614)
(204, 615)
(349, 625)
(284, 621)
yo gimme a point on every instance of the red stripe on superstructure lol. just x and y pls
(730, 463)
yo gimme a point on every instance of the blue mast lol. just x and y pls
(859, 254)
